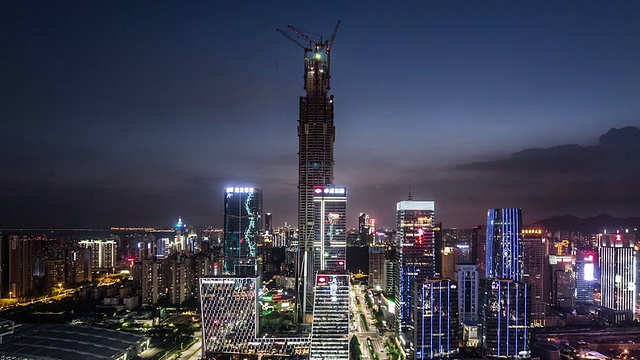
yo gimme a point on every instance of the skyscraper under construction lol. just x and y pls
(316, 134)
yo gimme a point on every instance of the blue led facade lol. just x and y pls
(436, 319)
(505, 322)
(415, 252)
(242, 223)
(504, 244)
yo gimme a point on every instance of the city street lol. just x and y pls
(377, 342)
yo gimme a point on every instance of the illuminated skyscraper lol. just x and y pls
(230, 313)
(586, 263)
(180, 241)
(504, 244)
(504, 318)
(617, 258)
(103, 253)
(468, 287)
(504, 299)
(436, 319)
(330, 326)
(536, 273)
(330, 223)
(316, 135)
(415, 255)
(242, 224)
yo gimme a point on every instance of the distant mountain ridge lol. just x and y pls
(592, 225)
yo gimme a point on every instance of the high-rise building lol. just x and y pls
(242, 224)
(504, 299)
(618, 271)
(54, 272)
(586, 275)
(504, 319)
(415, 254)
(535, 272)
(376, 267)
(436, 319)
(330, 326)
(366, 229)
(503, 251)
(468, 287)
(230, 313)
(180, 239)
(103, 253)
(78, 265)
(268, 223)
(316, 135)
(479, 248)
(448, 260)
(563, 280)
(330, 223)
(20, 260)
(438, 243)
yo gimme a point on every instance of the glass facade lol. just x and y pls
(330, 326)
(316, 135)
(503, 250)
(229, 313)
(415, 255)
(536, 272)
(330, 224)
(436, 319)
(504, 309)
(468, 286)
(617, 258)
(242, 224)
(586, 275)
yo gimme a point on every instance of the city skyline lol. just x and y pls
(132, 115)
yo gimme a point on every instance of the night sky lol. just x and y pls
(123, 113)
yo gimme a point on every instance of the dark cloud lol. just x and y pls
(583, 180)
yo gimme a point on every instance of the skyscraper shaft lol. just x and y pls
(316, 134)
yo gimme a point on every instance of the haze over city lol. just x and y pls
(130, 114)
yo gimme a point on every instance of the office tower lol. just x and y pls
(586, 275)
(366, 229)
(390, 273)
(330, 224)
(316, 135)
(617, 260)
(563, 282)
(436, 319)
(504, 252)
(468, 281)
(230, 313)
(268, 223)
(242, 223)
(180, 239)
(438, 242)
(415, 254)
(504, 299)
(448, 260)
(479, 248)
(535, 272)
(376, 267)
(78, 265)
(504, 320)
(330, 326)
(103, 253)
